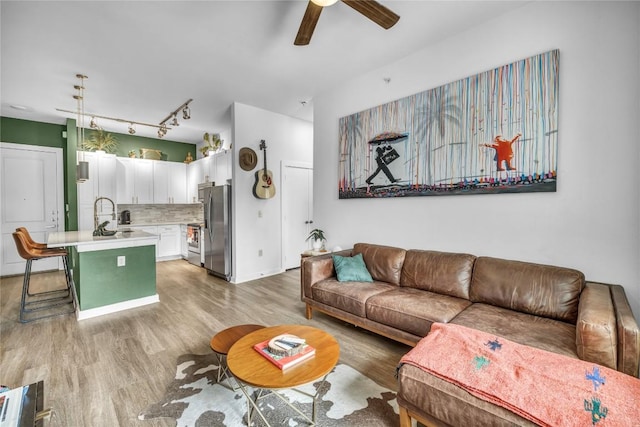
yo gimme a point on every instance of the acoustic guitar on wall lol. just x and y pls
(264, 187)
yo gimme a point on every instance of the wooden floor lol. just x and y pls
(104, 371)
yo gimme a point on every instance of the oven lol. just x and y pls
(193, 244)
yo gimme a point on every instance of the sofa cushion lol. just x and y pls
(441, 272)
(351, 269)
(540, 332)
(543, 290)
(350, 297)
(413, 310)
(383, 262)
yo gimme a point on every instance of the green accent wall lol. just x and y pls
(100, 282)
(29, 132)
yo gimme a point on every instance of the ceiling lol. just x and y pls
(144, 59)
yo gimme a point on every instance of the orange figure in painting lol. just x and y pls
(504, 151)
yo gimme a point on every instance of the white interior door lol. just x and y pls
(31, 185)
(297, 211)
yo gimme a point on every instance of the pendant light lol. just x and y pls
(82, 168)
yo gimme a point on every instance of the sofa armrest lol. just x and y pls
(628, 333)
(316, 268)
(596, 334)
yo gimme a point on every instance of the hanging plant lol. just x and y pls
(101, 140)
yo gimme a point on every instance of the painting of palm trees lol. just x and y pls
(495, 132)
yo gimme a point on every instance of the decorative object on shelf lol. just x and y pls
(317, 237)
(148, 153)
(82, 167)
(186, 115)
(189, 158)
(212, 143)
(132, 154)
(248, 159)
(101, 140)
(264, 187)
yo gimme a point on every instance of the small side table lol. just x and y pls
(222, 342)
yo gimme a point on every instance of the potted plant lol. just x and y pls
(101, 141)
(317, 237)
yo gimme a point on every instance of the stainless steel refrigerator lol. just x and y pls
(216, 234)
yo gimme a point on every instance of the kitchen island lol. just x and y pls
(110, 273)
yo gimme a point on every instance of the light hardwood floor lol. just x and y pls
(104, 371)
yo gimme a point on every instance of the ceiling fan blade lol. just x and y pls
(308, 24)
(374, 11)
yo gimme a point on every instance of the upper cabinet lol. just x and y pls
(135, 181)
(169, 182)
(214, 168)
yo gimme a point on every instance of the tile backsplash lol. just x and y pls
(164, 214)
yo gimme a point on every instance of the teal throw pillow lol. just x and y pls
(351, 269)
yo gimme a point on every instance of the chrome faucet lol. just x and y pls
(95, 211)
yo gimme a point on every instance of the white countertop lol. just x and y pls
(85, 240)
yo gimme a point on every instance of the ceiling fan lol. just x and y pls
(369, 8)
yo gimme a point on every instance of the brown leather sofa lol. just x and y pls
(548, 307)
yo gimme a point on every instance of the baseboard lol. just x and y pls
(114, 308)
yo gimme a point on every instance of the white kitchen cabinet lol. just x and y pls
(101, 183)
(195, 176)
(169, 182)
(169, 243)
(221, 167)
(135, 181)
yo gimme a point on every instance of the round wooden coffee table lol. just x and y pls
(251, 368)
(222, 342)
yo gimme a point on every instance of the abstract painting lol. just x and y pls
(495, 132)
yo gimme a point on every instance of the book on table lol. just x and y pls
(280, 358)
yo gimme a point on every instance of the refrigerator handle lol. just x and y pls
(211, 214)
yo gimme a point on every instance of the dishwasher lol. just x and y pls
(193, 244)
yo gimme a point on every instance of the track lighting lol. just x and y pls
(162, 126)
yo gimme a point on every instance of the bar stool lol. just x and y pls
(52, 251)
(47, 299)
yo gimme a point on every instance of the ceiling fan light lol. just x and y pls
(324, 3)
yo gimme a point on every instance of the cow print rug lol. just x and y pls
(347, 398)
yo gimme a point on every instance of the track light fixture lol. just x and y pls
(162, 126)
(186, 115)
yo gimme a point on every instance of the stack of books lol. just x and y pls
(285, 351)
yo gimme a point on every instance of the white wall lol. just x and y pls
(287, 139)
(591, 223)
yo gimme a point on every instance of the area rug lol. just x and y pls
(347, 398)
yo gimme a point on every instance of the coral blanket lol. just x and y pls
(546, 388)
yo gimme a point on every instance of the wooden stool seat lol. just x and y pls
(222, 342)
